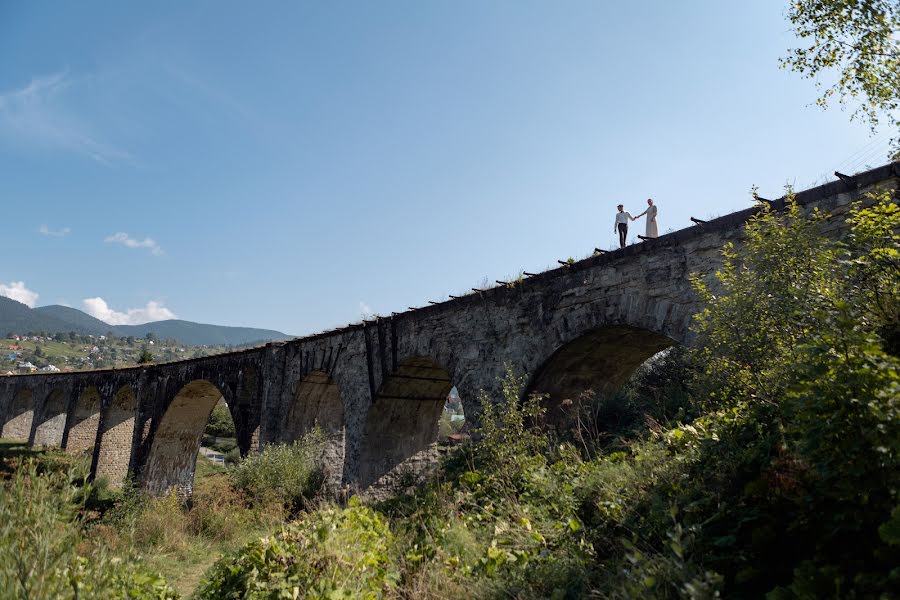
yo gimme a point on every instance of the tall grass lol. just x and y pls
(44, 549)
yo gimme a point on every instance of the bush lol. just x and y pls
(797, 336)
(233, 456)
(40, 539)
(504, 523)
(219, 513)
(220, 422)
(288, 474)
(223, 445)
(160, 524)
(329, 553)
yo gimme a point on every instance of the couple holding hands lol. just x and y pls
(622, 218)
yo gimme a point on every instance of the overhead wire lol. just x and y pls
(855, 159)
(849, 160)
(872, 155)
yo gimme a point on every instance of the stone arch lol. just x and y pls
(117, 438)
(176, 442)
(317, 401)
(599, 361)
(402, 423)
(85, 420)
(19, 416)
(49, 431)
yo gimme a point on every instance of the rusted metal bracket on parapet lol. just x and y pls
(527, 274)
(698, 221)
(433, 302)
(599, 251)
(502, 282)
(645, 238)
(454, 297)
(477, 290)
(564, 263)
(848, 181)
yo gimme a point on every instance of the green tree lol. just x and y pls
(145, 357)
(220, 422)
(796, 337)
(860, 40)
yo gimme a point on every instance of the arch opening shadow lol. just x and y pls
(85, 420)
(49, 431)
(19, 416)
(173, 453)
(117, 438)
(402, 424)
(597, 363)
(317, 402)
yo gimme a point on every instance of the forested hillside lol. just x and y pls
(83, 321)
(17, 318)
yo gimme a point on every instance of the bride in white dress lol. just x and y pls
(652, 231)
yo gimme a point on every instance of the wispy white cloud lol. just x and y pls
(210, 93)
(44, 230)
(152, 311)
(130, 242)
(366, 310)
(37, 114)
(17, 290)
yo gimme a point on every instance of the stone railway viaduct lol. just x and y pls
(378, 388)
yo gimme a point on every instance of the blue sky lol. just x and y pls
(293, 165)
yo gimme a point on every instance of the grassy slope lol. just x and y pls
(179, 545)
(187, 559)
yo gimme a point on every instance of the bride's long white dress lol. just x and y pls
(652, 231)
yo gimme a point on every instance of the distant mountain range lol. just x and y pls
(16, 317)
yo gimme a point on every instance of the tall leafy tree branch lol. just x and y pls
(860, 39)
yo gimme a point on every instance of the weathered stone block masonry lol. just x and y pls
(378, 387)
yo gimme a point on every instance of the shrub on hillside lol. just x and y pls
(233, 456)
(504, 521)
(40, 535)
(329, 553)
(795, 336)
(288, 474)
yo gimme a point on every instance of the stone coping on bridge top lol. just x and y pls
(832, 188)
(845, 184)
